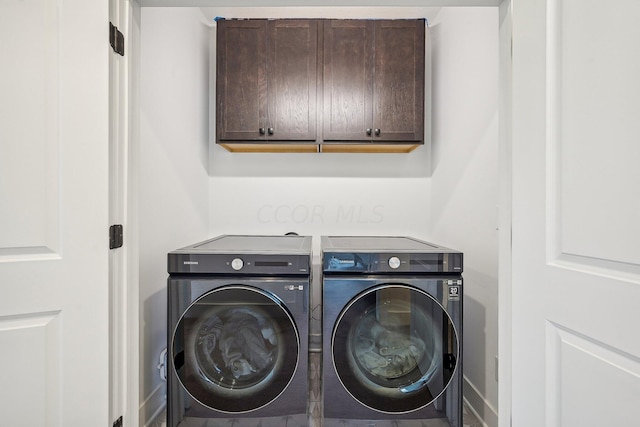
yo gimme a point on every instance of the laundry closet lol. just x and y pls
(445, 190)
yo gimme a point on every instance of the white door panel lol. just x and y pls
(35, 360)
(590, 383)
(593, 106)
(29, 129)
(53, 213)
(576, 205)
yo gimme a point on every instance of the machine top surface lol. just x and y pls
(252, 244)
(378, 244)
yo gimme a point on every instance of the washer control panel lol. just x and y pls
(248, 264)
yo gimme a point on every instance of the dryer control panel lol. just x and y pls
(387, 254)
(392, 262)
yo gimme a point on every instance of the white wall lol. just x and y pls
(174, 69)
(464, 200)
(445, 192)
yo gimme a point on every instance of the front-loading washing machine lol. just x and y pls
(392, 332)
(238, 324)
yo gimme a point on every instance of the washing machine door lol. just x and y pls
(236, 349)
(394, 348)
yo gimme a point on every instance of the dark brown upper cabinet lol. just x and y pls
(373, 82)
(301, 84)
(266, 84)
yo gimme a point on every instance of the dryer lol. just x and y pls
(238, 323)
(392, 332)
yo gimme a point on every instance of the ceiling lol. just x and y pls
(321, 12)
(320, 3)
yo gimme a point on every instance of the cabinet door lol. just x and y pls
(374, 80)
(348, 80)
(241, 84)
(398, 87)
(292, 70)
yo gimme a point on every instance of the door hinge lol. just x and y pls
(118, 422)
(116, 239)
(116, 39)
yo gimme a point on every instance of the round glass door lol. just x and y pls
(394, 348)
(235, 349)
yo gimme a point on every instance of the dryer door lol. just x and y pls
(235, 349)
(394, 348)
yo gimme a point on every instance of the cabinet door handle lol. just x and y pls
(368, 132)
(270, 131)
(261, 130)
(377, 132)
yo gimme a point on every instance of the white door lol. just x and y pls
(54, 213)
(576, 213)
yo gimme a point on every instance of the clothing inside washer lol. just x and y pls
(238, 339)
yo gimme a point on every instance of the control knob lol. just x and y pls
(237, 264)
(394, 262)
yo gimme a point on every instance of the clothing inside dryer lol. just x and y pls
(394, 348)
(386, 351)
(395, 342)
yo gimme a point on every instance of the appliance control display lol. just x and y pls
(394, 262)
(237, 264)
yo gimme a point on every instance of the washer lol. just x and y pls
(238, 324)
(392, 332)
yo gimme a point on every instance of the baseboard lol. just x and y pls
(478, 405)
(153, 405)
(159, 420)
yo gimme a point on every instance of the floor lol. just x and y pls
(315, 396)
(468, 420)
(315, 408)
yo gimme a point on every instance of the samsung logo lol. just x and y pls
(190, 262)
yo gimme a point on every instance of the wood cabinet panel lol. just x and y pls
(398, 88)
(292, 79)
(241, 85)
(374, 81)
(348, 79)
(266, 80)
